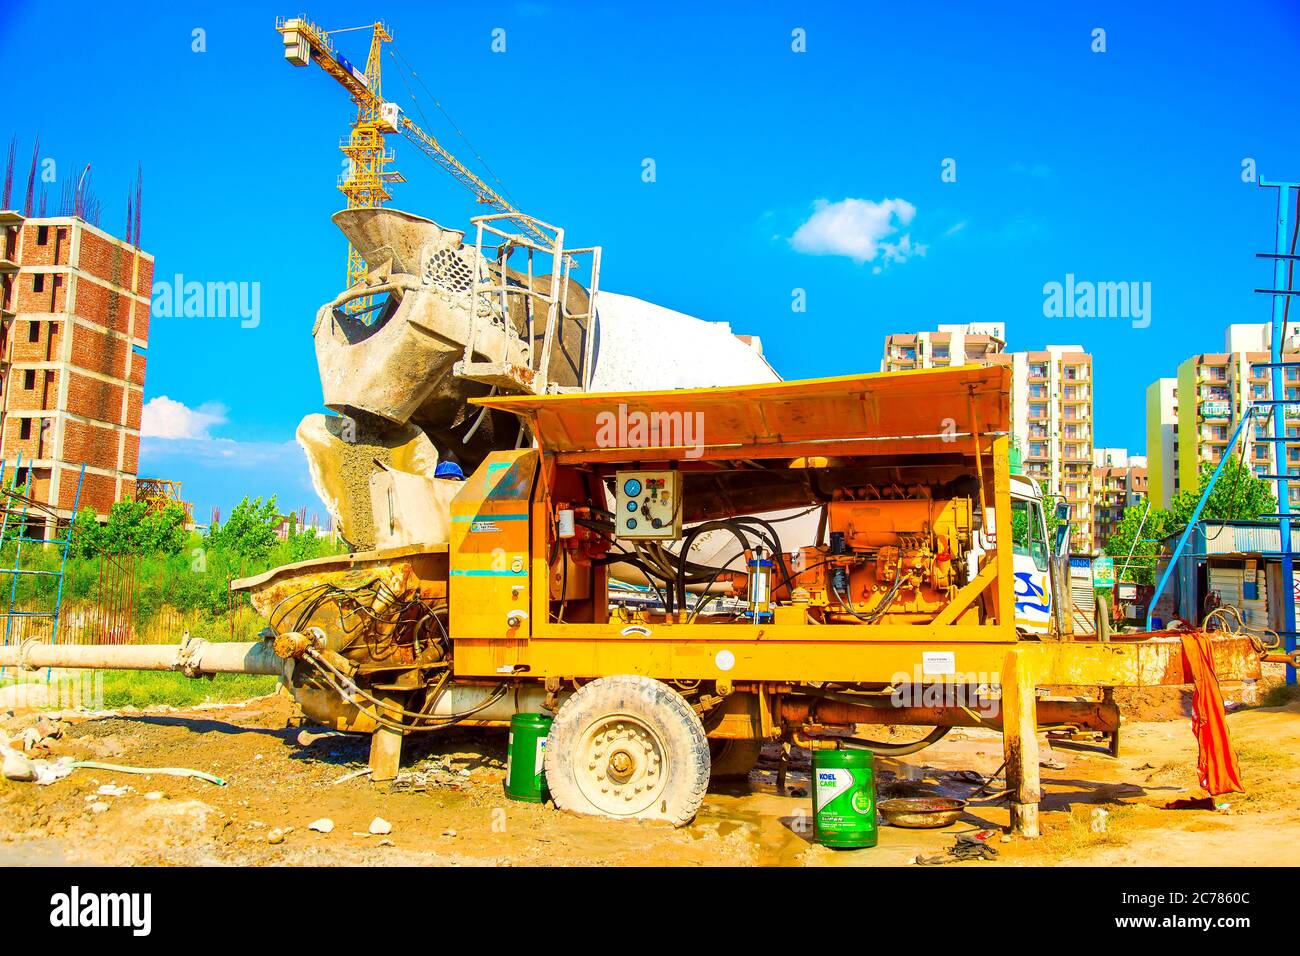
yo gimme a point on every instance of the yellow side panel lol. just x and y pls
(489, 562)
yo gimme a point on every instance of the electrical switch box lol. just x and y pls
(648, 505)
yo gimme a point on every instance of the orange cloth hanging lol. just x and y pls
(1216, 764)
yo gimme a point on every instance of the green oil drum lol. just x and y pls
(844, 798)
(525, 758)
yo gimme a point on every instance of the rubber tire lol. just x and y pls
(733, 758)
(686, 757)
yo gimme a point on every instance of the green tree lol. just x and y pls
(1237, 495)
(1154, 530)
(249, 532)
(1050, 502)
(130, 528)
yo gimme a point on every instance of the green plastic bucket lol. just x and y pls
(525, 758)
(844, 798)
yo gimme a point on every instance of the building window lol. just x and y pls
(29, 378)
(25, 428)
(38, 282)
(42, 235)
(33, 332)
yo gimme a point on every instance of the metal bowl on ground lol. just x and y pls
(921, 813)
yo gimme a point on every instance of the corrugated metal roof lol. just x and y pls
(1240, 537)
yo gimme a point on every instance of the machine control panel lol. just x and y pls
(648, 505)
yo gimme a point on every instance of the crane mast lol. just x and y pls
(365, 183)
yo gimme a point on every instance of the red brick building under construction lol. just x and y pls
(74, 324)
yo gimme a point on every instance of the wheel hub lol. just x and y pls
(623, 769)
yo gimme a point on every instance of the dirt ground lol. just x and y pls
(447, 807)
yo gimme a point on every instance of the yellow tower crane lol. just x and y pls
(366, 182)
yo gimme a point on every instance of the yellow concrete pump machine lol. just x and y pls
(864, 535)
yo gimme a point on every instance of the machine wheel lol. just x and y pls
(733, 758)
(630, 747)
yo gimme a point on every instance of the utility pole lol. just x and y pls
(1284, 258)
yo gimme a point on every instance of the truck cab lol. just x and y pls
(1032, 557)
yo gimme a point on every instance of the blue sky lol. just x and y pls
(1116, 166)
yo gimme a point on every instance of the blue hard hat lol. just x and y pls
(449, 469)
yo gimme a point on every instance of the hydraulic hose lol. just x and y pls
(896, 750)
(724, 525)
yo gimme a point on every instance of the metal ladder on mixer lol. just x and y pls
(546, 311)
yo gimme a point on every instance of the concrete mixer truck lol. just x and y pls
(867, 540)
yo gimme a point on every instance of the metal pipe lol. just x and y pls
(1090, 715)
(979, 471)
(523, 699)
(193, 656)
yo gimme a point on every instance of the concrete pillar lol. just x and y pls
(1020, 742)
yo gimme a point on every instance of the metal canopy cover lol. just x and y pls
(887, 413)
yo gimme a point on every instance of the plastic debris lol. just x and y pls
(353, 775)
(969, 846)
(48, 771)
(168, 771)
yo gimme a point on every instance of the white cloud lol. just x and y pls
(176, 443)
(163, 417)
(955, 228)
(860, 229)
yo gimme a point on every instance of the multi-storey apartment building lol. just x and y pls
(1119, 481)
(969, 344)
(1051, 405)
(74, 324)
(1211, 392)
(1162, 441)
